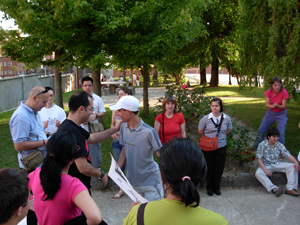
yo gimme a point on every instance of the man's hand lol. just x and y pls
(57, 123)
(45, 124)
(92, 117)
(105, 179)
(296, 165)
(268, 173)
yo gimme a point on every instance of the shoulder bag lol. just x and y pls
(210, 144)
(32, 160)
(140, 214)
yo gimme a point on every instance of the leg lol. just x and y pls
(291, 174)
(209, 157)
(267, 121)
(281, 119)
(264, 179)
(219, 164)
(95, 154)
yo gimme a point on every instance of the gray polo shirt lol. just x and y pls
(210, 130)
(139, 143)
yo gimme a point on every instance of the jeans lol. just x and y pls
(268, 120)
(117, 149)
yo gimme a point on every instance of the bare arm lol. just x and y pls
(113, 122)
(95, 116)
(122, 158)
(200, 131)
(283, 104)
(268, 105)
(262, 166)
(296, 164)
(100, 136)
(29, 145)
(182, 130)
(228, 131)
(88, 206)
(157, 126)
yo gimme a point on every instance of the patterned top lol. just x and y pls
(271, 155)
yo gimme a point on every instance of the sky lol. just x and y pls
(7, 24)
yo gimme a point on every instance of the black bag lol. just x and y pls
(81, 220)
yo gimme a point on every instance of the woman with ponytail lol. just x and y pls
(59, 197)
(183, 168)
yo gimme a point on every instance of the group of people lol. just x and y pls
(60, 186)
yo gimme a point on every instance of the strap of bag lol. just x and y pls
(220, 124)
(140, 214)
(163, 126)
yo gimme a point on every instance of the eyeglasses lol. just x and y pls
(90, 108)
(33, 198)
(42, 92)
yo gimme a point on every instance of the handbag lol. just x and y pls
(140, 214)
(81, 220)
(210, 144)
(95, 127)
(32, 160)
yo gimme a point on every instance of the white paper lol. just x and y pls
(299, 156)
(116, 174)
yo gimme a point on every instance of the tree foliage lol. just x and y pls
(270, 38)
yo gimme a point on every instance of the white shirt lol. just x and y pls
(52, 114)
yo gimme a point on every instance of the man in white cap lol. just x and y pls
(138, 140)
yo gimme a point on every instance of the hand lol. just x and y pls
(268, 173)
(45, 124)
(105, 179)
(117, 136)
(57, 123)
(157, 154)
(275, 105)
(85, 123)
(92, 117)
(297, 166)
(133, 204)
(113, 136)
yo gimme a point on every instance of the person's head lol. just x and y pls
(273, 135)
(183, 167)
(37, 99)
(61, 150)
(82, 104)
(51, 96)
(87, 84)
(123, 91)
(169, 104)
(127, 107)
(14, 195)
(216, 105)
(276, 84)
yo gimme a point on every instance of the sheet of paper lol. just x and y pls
(299, 156)
(116, 174)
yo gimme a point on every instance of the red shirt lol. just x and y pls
(282, 95)
(171, 126)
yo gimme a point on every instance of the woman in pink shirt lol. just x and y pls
(276, 99)
(59, 197)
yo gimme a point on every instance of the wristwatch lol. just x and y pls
(48, 134)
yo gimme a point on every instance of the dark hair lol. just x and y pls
(49, 88)
(219, 102)
(169, 99)
(14, 192)
(275, 79)
(272, 131)
(126, 90)
(61, 149)
(179, 158)
(80, 98)
(87, 78)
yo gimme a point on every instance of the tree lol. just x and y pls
(269, 41)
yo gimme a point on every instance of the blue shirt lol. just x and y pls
(26, 125)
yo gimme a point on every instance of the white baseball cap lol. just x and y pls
(126, 102)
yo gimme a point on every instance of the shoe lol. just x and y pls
(278, 192)
(217, 192)
(292, 192)
(210, 193)
(118, 195)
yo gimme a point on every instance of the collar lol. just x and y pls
(137, 127)
(26, 107)
(211, 115)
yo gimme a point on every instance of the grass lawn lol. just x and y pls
(247, 105)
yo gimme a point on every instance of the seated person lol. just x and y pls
(268, 157)
(181, 172)
(14, 196)
(59, 197)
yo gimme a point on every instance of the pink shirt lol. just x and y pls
(61, 208)
(282, 95)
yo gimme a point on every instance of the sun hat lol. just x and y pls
(126, 102)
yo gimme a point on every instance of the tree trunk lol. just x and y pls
(131, 76)
(124, 75)
(229, 82)
(203, 74)
(214, 80)
(145, 73)
(97, 82)
(155, 74)
(57, 83)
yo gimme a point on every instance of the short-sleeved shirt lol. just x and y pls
(62, 207)
(81, 136)
(26, 125)
(52, 114)
(211, 130)
(271, 155)
(282, 95)
(98, 108)
(139, 144)
(171, 126)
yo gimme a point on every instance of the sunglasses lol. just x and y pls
(42, 92)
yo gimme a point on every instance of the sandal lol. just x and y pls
(118, 195)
